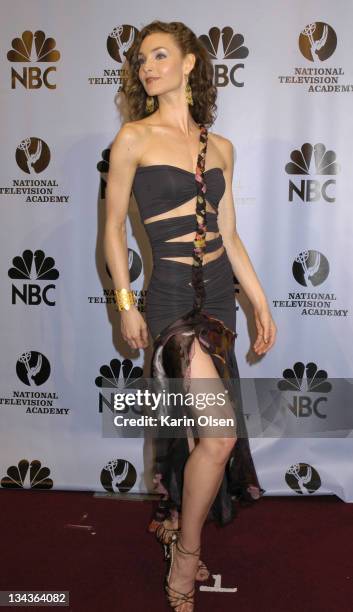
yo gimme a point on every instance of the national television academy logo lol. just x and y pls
(134, 265)
(118, 42)
(32, 155)
(310, 268)
(33, 368)
(303, 478)
(118, 476)
(317, 42)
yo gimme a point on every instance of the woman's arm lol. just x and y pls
(122, 165)
(239, 258)
(124, 156)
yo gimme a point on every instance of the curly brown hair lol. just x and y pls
(204, 92)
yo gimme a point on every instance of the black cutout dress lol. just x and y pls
(187, 301)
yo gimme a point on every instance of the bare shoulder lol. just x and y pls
(130, 134)
(225, 147)
(129, 142)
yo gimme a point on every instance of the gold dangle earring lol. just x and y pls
(188, 93)
(149, 104)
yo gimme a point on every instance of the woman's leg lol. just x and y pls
(203, 475)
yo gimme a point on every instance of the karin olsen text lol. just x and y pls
(167, 421)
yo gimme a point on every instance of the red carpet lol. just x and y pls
(285, 554)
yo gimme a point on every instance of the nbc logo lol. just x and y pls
(225, 45)
(33, 266)
(310, 160)
(118, 376)
(31, 48)
(26, 475)
(307, 385)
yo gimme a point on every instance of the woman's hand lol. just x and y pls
(266, 330)
(133, 328)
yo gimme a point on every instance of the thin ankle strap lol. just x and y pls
(184, 551)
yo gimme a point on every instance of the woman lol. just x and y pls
(160, 154)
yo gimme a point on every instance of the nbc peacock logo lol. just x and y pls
(305, 402)
(309, 161)
(307, 388)
(27, 475)
(117, 376)
(33, 266)
(31, 48)
(225, 47)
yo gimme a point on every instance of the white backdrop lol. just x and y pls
(285, 101)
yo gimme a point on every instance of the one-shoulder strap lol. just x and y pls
(201, 222)
(201, 159)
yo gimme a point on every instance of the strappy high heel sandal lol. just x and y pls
(165, 537)
(176, 598)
